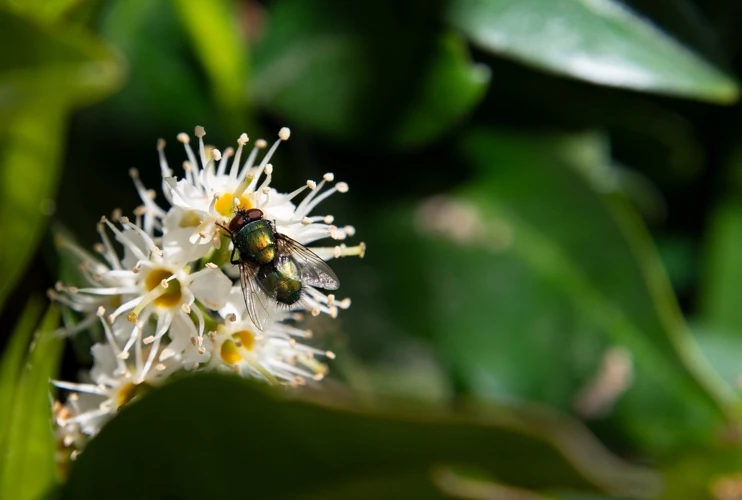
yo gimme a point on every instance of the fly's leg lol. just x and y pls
(232, 260)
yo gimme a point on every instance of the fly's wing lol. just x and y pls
(312, 270)
(256, 307)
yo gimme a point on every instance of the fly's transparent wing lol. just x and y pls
(312, 270)
(256, 307)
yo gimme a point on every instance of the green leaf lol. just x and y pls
(27, 468)
(156, 45)
(213, 29)
(450, 89)
(599, 41)
(596, 249)
(722, 277)
(12, 364)
(244, 436)
(46, 74)
(377, 72)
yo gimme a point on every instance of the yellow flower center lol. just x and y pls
(171, 296)
(131, 391)
(224, 205)
(246, 338)
(230, 353)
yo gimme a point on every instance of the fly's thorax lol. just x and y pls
(256, 242)
(281, 281)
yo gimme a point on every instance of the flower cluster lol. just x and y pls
(165, 298)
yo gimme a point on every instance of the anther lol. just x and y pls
(149, 340)
(183, 137)
(330, 355)
(164, 284)
(199, 131)
(284, 134)
(329, 219)
(160, 144)
(260, 144)
(101, 311)
(342, 187)
(160, 367)
(329, 177)
(134, 173)
(216, 154)
(211, 265)
(123, 355)
(312, 185)
(186, 308)
(242, 140)
(268, 169)
(306, 221)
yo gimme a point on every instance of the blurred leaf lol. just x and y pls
(30, 153)
(537, 273)
(721, 286)
(28, 468)
(452, 87)
(155, 43)
(599, 41)
(597, 250)
(215, 36)
(40, 81)
(11, 365)
(347, 452)
(41, 10)
(378, 71)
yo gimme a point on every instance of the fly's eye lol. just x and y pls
(237, 223)
(254, 214)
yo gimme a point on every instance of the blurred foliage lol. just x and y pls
(549, 192)
(27, 464)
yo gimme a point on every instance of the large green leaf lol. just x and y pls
(41, 79)
(243, 439)
(377, 72)
(595, 247)
(601, 41)
(722, 276)
(11, 364)
(27, 468)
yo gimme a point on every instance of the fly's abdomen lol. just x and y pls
(256, 242)
(286, 290)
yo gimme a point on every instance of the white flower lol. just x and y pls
(237, 345)
(213, 187)
(157, 296)
(115, 380)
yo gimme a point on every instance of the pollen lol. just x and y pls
(225, 203)
(246, 338)
(230, 353)
(171, 296)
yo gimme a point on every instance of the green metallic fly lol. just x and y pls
(273, 264)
